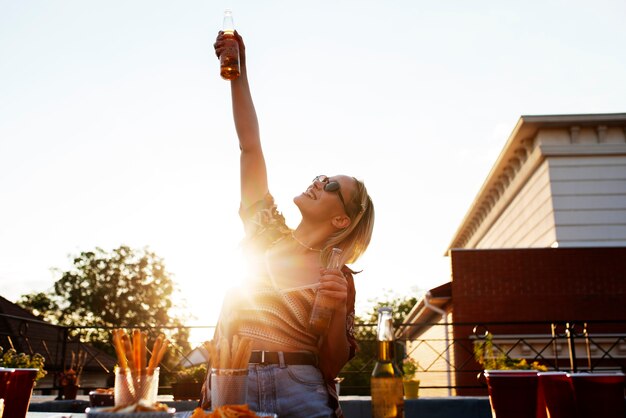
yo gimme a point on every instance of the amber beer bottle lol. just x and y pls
(229, 58)
(386, 380)
(322, 311)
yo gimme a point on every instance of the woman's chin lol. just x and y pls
(299, 199)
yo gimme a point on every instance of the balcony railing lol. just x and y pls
(446, 362)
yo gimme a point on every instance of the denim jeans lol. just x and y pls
(289, 391)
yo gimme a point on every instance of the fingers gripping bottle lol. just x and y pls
(386, 380)
(322, 310)
(229, 58)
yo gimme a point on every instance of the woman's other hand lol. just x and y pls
(334, 285)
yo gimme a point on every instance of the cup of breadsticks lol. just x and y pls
(229, 370)
(137, 377)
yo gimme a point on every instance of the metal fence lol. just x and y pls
(446, 358)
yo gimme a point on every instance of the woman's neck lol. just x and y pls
(310, 236)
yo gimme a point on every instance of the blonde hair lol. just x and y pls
(354, 239)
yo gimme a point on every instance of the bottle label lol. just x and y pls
(387, 397)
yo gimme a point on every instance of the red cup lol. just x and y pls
(555, 396)
(5, 376)
(18, 392)
(512, 393)
(599, 394)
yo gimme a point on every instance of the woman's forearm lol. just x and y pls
(335, 349)
(244, 114)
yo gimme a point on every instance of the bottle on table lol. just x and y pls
(322, 311)
(229, 58)
(386, 381)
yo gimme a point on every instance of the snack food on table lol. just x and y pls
(132, 354)
(140, 406)
(229, 356)
(101, 397)
(226, 411)
(103, 391)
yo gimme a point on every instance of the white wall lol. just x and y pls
(589, 200)
(528, 221)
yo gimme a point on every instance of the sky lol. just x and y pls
(116, 128)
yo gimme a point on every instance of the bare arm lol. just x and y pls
(335, 348)
(252, 162)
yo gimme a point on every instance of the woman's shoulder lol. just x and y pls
(263, 221)
(265, 203)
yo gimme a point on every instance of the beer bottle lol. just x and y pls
(386, 380)
(322, 312)
(229, 58)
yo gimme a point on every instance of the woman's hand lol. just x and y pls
(221, 43)
(334, 285)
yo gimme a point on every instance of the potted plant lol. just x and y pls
(19, 372)
(69, 379)
(410, 383)
(512, 382)
(188, 384)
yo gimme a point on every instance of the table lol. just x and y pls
(360, 407)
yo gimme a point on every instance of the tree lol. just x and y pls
(122, 288)
(357, 372)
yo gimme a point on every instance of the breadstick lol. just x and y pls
(239, 354)
(224, 354)
(129, 352)
(119, 350)
(143, 347)
(137, 349)
(213, 355)
(233, 349)
(155, 351)
(245, 359)
(161, 353)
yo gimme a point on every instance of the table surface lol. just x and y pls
(185, 414)
(360, 407)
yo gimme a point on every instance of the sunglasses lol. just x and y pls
(332, 186)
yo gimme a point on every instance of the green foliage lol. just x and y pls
(195, 374)
(409, 368)
(42, 304)
(122, 288)
(485, 354)
(11, 359)
(357, 372)
(400, 305)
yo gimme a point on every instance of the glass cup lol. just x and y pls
(131, 388)
(229, 387)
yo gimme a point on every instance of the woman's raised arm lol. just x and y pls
(252, 163)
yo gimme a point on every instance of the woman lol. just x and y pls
(292, 369)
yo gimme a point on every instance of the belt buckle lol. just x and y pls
(262, 356)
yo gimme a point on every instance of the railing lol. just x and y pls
(446, 352)
(446, 362)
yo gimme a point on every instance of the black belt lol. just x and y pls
(289, 358)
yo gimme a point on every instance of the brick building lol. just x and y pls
(544, 240)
